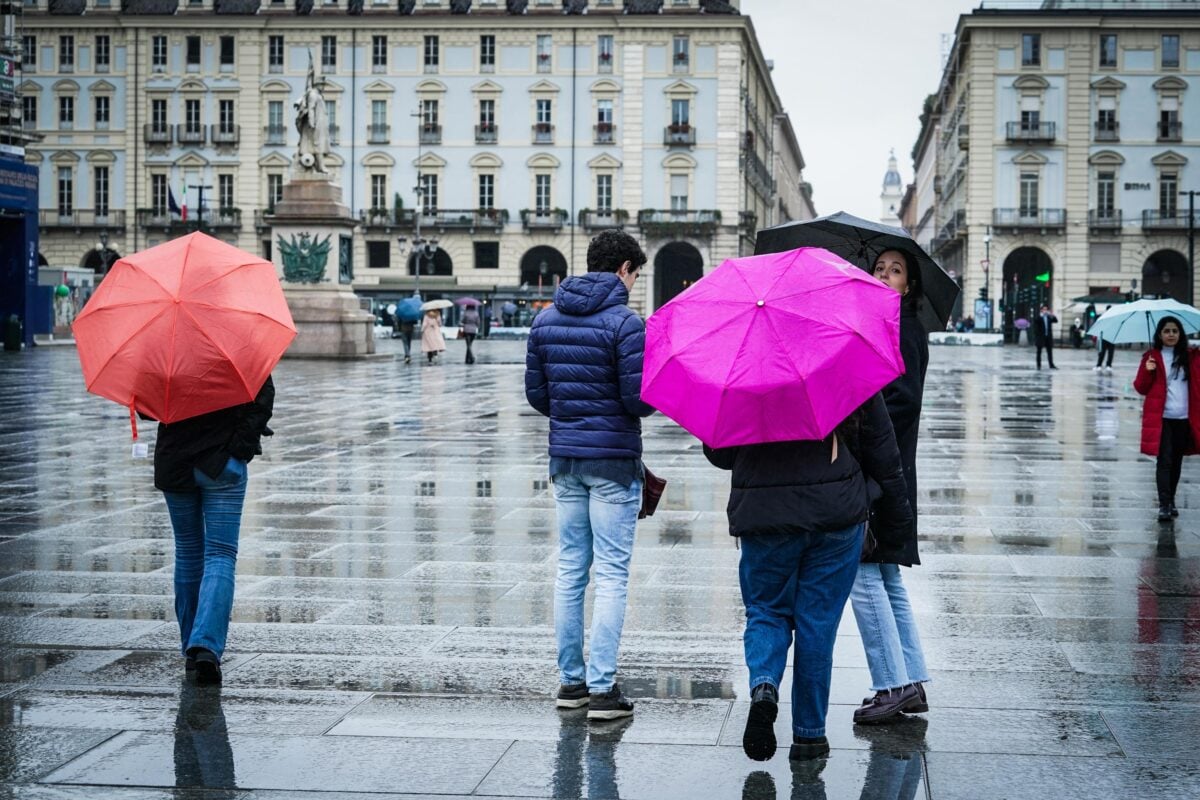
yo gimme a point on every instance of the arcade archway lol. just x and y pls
(676, 266)
(1028, 274)
(543, 267)
(1166, 274)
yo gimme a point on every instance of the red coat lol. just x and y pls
(1154, 386)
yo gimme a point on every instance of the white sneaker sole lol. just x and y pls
(580, 703)
(615, 713)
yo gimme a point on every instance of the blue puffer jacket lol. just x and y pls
(583, 369)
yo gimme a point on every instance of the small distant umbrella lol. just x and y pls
(467, 301)
(509, 308)
(1021, 323)
(409, 309)
(432, 305)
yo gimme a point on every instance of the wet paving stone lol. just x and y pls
(393, 623)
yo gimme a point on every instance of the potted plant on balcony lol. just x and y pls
(543, 58)
(606, 58)
(377, 216)
(681, 58)
(679, 127)
(542, 127)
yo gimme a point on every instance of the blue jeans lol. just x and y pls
(206, 523)
(596, 520)
(797, 583)
(888, 630)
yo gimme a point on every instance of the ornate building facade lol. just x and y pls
(510, 132)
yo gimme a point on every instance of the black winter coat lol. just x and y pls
(206, 442)
(903, 398)
(798, 487)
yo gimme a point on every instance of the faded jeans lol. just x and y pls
(206, 523)
(888, 629)
(799, 583)
(596, 522)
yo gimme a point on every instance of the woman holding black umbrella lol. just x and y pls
(880, 602)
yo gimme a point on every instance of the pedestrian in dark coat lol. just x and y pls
(879, 599)
(200, 465)
(1169, 378)
(799, 509)
(470, 328)
(1043, 335)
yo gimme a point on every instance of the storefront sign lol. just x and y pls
(1131, 186)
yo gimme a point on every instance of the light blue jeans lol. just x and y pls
(596, 521)
(888, 630)
(206, 523)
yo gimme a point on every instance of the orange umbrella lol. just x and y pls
(188, 327)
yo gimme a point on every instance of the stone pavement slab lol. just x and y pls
(393, 621)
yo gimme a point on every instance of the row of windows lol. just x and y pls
(1029, 194)
(431, 52)
(1031, 50)
(380, 198)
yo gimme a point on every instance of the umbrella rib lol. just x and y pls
(117, 348)
(221, 350)
(151, 276)
(224, 275)
(201, 304)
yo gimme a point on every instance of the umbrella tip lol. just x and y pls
(761, 303)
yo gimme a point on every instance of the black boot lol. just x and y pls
(758, 741)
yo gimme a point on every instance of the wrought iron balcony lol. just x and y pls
(1108, 132)
(379, 133)
(1154, 220)
(668, 223)
(431, 133)
(1030, 132)
(1104, 219)
(543, 219)
(208, 219)
(189, 134)
(487, 133)
(81, 219)
(604, 133)
(1170, 131)
(680, 133)
(603, 219)
(387, 217)
(226, 134)
(1019, 218)
(758, 174)
(157, 134)
(275, 134)
(465, 219)
(543, 133)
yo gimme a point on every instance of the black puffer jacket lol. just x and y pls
(206, 442)
(798, 487)
(903, 398)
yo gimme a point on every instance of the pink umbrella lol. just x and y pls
(772, 348)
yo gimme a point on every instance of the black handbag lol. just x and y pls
(652, 491)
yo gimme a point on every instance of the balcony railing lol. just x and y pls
(226, 134)
(1105, 219)
(1165, 220)
(543, 220)
(605, 63)
(1042, 218)
(1108, 131)
(208, 219)
(387, 217)
(543, 133)
(603, 219)
(465, 219)
(187, 134)
(379, 133)
(656, 222)
(964, 137)
(1170, 131)
(157, 134)
(604, 132)
(275, 134)
(758, 174)
(487, 133)
(1030, 131)
(431, 133)
(680, 133)
(80, 219)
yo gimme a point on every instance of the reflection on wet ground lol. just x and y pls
(392, 631)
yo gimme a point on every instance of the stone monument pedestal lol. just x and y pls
(312, 233)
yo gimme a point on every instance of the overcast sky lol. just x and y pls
(853, 75)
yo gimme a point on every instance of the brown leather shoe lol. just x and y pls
(885, 705)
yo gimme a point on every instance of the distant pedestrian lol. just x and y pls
(880, 602)
(583, 369)
(487, 320)
(406, 328)
(1169, 378)
(432, 341)
(200, 465)
(470, 329)
(798, 509)
(1107, 349)
(1043, 335)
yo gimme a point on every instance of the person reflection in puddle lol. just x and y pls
(203, 756)
(587, 752)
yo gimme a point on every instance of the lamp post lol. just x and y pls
(102, 250)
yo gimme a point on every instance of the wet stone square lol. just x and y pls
(392, 633)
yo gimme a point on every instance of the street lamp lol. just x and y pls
(102, 251)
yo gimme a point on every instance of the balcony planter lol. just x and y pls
(605, 58)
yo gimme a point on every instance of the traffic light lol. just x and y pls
(983, 293)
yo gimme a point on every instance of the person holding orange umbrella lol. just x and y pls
(187, 333)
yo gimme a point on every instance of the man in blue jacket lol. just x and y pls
(583, 369)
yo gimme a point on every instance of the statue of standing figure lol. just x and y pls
(312, 124)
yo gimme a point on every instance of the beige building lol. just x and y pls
(527, 126)
(1066, 141)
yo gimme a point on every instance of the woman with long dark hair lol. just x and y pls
(1167, 377)
(880, 602)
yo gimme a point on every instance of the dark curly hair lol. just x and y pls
(611, 248)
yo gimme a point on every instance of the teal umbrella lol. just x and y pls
(1134, 323)
(409, 309)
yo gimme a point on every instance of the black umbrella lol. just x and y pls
(860, 242)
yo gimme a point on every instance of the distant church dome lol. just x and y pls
(891, 178)
(892, 194)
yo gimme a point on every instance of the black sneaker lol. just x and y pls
(885, 705)
(572, 695)
(805, 749)
(609, 705)
(1174, 510)
(1164, 514)
(758, 741)
(208, 666)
